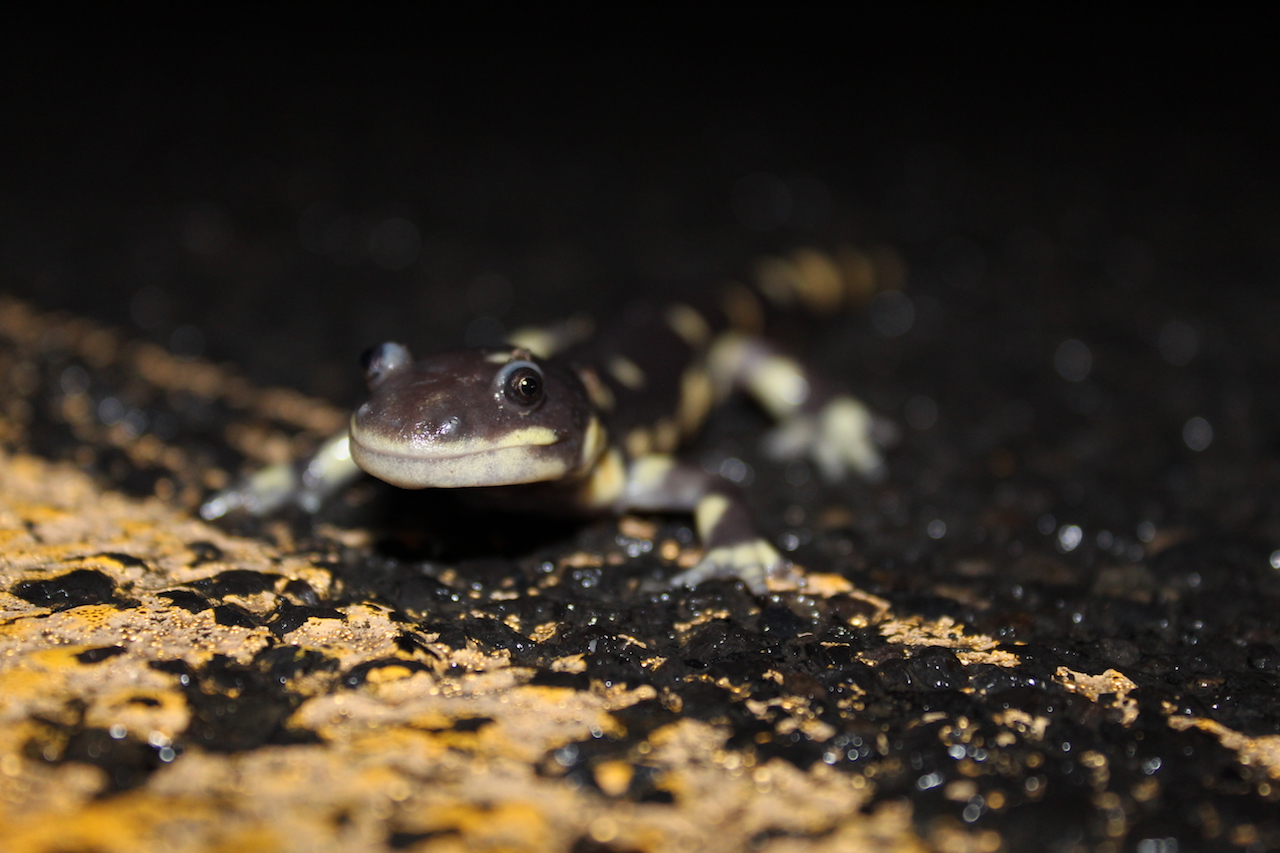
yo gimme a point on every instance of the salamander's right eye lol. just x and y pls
(383, 360)
(521, 383)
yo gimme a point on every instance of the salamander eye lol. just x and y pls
(521, 383)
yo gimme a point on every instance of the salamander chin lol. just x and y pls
(495, 466)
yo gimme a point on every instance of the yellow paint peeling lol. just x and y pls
(1262, 751)
(969, 648)
(385, 674)
(614, 777)
(126, 823)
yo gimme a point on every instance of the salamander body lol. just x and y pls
(570, 421)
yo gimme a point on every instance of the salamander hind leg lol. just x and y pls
(834, 430)
(840, 436)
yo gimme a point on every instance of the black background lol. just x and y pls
(578, 156)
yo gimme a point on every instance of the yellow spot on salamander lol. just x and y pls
(606, 482)
(547, 341)
(809, 277)
(743, 309)
(819, 280)
(601, 396)
(696, 396)
(639, 442)
(780, 385)
(689, 325)
(708, 513)
(725, 361)
(627, 372)
(534, 436)
(666, 435)
(594, 441)
(777, 280)
(650, 472)
(541, 342)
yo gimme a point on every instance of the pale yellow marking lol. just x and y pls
(777, 279)
(708, 513)
(546, 341)
(689, 325)
(724, 361)
(639, 442)
(837, 439)
(531, 436)
(808, 276)
(650, 472)
(821, 287)
(594, 442)
(500, 357)
(666, 435)
(537, 340)
(627, 372)
(696, 396)
(333, 460)
(606, 482)
(743, 309)
(846, 439)
(600, 394)
(779, 384)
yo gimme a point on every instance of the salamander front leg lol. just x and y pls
(306, 484)
(733, 547)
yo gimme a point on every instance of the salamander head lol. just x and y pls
(484, 417)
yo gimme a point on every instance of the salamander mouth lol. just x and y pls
(508, 464)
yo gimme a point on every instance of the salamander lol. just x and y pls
(567, 421)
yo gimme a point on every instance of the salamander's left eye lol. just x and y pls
(521, 383)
